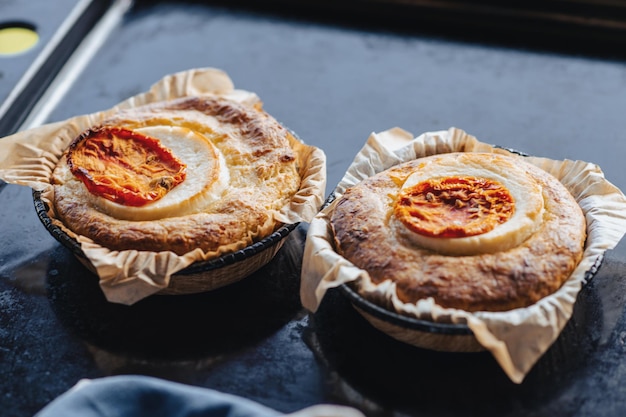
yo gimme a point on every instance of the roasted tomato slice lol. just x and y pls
(453, 207)
(125, 167)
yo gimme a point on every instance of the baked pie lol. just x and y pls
(195, 172)
(474, 231)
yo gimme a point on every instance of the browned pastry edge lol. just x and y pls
(500, 281)
(265, 177)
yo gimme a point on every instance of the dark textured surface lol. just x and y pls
(593, 27)
(332, 84)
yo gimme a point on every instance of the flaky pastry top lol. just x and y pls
(239, 170)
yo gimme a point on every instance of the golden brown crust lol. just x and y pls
(517, 277)
(263, 177)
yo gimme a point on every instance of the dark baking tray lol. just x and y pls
(593, 27)
(329, 78)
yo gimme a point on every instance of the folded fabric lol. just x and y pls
(139, 396)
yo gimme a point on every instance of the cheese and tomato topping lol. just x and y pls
(453, 205)
(148, 173)
(125, 166)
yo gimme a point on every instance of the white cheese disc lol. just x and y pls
(526, 192)
(207, 177)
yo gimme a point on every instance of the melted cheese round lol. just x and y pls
(125, 166)
(468, 204)
(207, 177)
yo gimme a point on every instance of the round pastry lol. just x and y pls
(474, 231)
(199, 172)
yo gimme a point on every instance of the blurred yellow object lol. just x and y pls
(14, 40)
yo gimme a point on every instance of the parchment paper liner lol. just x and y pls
(516, 338)
(28, 158)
